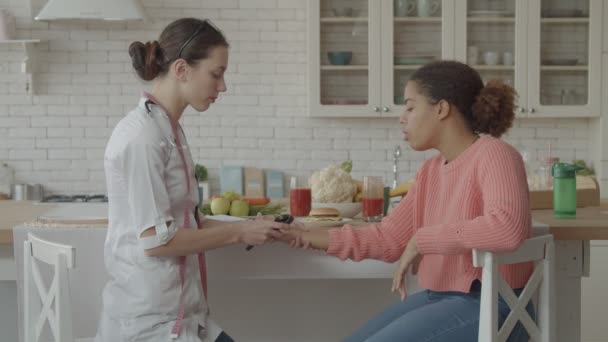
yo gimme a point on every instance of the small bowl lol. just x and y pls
(340, 57)
(347, 210)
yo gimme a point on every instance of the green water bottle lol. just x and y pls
(564, 190)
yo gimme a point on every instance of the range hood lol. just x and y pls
(91, 10)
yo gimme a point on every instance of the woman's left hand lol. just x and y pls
(408, 259)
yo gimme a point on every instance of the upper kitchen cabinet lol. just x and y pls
(565, 48)
(549, 50)
(361, 52)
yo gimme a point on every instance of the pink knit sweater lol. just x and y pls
(478, 200)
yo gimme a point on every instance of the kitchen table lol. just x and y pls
(248, 288)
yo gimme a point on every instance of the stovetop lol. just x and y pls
(76, 198)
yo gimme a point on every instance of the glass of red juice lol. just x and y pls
(373, 198)
(299, 196)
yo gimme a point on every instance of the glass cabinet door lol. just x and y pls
(562, 53)
(492, 44)
(345, 62)
(415, 38)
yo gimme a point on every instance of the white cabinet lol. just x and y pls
(376, 45)
(549, 50)
(556, 49)
(561, 33)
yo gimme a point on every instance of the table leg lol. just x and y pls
(571, 266)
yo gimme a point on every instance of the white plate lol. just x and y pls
(323, 223)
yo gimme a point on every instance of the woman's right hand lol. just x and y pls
(258, 231)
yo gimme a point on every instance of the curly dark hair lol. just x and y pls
(488, 109)
(188, 38)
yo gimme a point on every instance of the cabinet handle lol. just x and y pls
(532, 110)
(376, 109)
(385, 109)
(522, 110)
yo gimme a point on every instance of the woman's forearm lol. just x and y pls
(318, 238)
(192, 241)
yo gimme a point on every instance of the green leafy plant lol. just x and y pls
(200, 172)
(584, 169)
(347, 166)
(269, 209)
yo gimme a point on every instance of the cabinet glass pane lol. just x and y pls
(344, 52)
(564, 52)
(491, 39)
(416, 39)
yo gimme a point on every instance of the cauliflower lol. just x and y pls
(332, 185)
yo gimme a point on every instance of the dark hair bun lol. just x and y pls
(145, 59)
(493, 110)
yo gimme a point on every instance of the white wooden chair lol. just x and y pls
(38, 298)
(540, 250)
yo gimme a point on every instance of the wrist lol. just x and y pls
(237, 233)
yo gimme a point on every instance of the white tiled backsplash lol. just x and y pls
(85, 84)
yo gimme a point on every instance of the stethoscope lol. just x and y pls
(172, 143)
(169, 138)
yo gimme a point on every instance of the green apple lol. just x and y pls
(220, 206)
(239, 208)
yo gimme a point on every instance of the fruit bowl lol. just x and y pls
(347, 210)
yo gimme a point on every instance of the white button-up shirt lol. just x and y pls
(147, 187)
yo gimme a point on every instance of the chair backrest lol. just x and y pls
(539, 250)
(39, 298)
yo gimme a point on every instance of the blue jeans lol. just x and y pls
(223, 337)
(431, 316)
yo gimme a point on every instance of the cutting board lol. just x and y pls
(76, 213)
(13, 213)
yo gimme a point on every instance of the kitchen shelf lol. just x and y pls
(344, 67)
(408, 67)
(345, 20)
(564, 20)
(564, 67)
(418, 20)
(482, 67)
(492, 20)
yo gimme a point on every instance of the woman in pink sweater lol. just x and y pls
(473, 194)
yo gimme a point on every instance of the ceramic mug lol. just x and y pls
(472, 55)
(405, 8)
(490, 58)
(507, 58)
(428, 8)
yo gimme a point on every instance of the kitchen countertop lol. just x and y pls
(13, 213)
(591, 223)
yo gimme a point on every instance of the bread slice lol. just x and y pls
(323, 214)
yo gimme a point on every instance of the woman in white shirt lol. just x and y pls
(154, 250)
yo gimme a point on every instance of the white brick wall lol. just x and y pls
(85, 85)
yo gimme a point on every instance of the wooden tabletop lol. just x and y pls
(590, 223)
(13, 213)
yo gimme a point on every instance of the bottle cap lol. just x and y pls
(564, 170)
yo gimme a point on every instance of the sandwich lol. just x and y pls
(323, 214)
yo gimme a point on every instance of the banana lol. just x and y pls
(359, 185)
(358, 197)
(401, 189)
